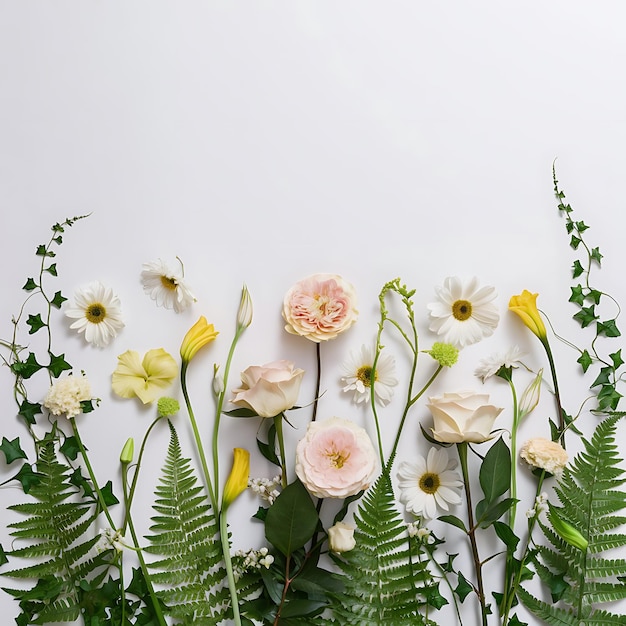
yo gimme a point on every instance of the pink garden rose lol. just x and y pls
(462, 416)
(335, 459)
(269, 389)
(320, 307)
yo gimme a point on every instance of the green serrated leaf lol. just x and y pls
(12, 450)
(3, 556)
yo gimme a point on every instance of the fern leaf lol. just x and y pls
(384, 581)
(590, 497)
(185, 536)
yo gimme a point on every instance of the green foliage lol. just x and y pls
(591, 496)
(185, 535)
(386, 580)
(53, 528)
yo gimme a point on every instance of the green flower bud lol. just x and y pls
(128, 451)
(167, 406)
(565, 530)
(444, 353)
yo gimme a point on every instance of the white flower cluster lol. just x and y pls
(541, 505)
(65, 396)
(414, 530)
(255, 559)
(265, 488)
(110, 538)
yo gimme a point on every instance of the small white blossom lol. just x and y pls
(265, 488)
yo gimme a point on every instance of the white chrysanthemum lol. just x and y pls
(66, 394)
(358, 374)
(428, 484)
(165, 284)
(464, 312)
(97, 313)
(491, 365)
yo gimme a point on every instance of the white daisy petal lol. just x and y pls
(357, 376)
(464, 312)
(97, 314)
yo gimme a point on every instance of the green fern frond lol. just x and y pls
(384, 580)
(54, 527)
(591, 500)
(185, 535)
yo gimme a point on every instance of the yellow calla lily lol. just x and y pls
(525, 305)
(238, 480)
(145, 378)
(198, 336)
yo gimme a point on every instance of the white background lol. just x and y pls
(262, 142)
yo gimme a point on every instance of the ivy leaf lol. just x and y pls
(515, 621)
(86, 406)
(608, 329)
(594, 296)
(434, 597)
(577, 295)
(463, 588)
(12, 450)
(107, 494)
(577, 269)
(586, 315)
(70, 448)
(35, 322)
(603, 377)
(52, 269)
(42, 251)
(575, 242)
(26, 368)
(28, 410)
(581, 227)
(29, 285)
(616, 357)
(58, 300)
(596, 256)
(584, 360)
(78, 480)
(291, 520)
(27, 477)
(58, 364)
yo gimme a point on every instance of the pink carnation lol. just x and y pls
(320, 307)
(335, 459)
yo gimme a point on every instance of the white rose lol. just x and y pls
(544, 454)
(269, 389)
(462, 416)
(341, 537)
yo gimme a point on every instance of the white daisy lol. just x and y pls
(97, 313)
(491, 365)
(429, 484)
(358, 374)
(165, 284)
(464, 312)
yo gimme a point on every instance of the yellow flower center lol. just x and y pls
(364, 374)
(95, 313)
(168, 283)
(462, 310)
(337, 458)
(429, 483)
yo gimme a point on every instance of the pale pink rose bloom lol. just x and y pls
(320, 307)
(462, 416)
(269, 389)
(335, 459)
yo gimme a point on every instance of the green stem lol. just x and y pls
(318, 352)
(278, 424)
(557, 395)
(514, 428)
(92, 476)
(480, 588)
(229, 567)
(196, 434)
(218, 411)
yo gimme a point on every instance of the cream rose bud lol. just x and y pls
(341, 538)
(269, 389)
(544, 454)
(462, 416)
(320, 307)
(335, 459)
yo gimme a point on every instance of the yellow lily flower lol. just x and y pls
(238, 480)
(145, 378)
(525, 305)
(198, 336)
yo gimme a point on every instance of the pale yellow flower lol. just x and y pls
(525, 305)
(145, 378)
(198, 336)
(237, 482)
